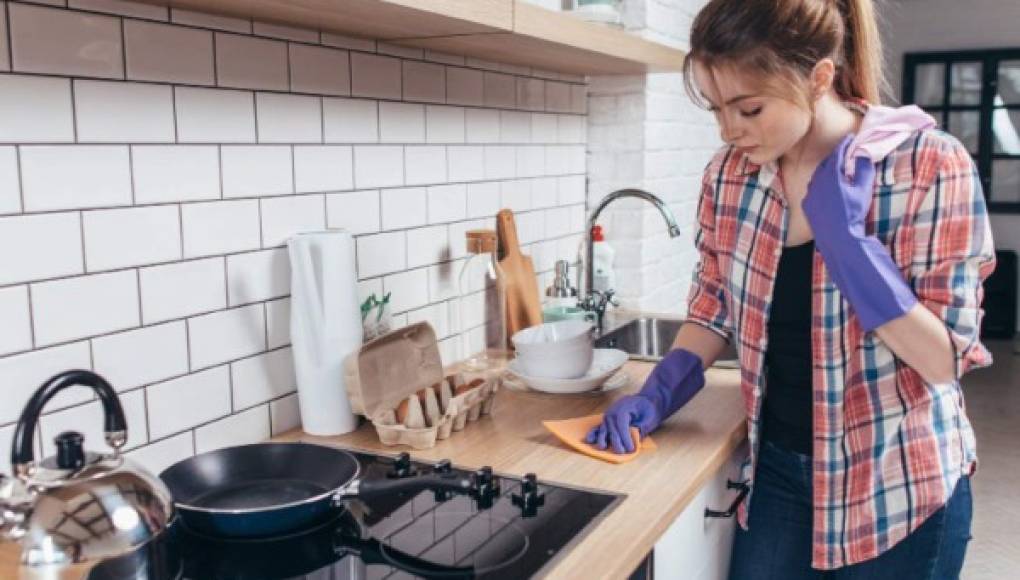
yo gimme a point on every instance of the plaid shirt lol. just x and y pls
(888, 447)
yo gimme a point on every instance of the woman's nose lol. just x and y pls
(728, 130)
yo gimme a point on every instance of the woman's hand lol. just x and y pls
(677, 378)
(837, 207)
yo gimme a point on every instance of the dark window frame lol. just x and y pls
(989, 59)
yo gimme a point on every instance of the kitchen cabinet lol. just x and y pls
(696, 546)
(505, 31)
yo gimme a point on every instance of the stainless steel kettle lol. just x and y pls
(70, 513)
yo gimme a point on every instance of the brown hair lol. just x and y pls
(780, 42)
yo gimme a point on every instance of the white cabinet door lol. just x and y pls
(696, 547)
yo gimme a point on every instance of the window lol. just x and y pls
(975, 95)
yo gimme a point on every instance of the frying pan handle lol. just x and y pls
(22, 455)
(370, 488)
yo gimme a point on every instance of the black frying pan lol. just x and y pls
(268, 489)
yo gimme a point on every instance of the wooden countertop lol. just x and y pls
(692, 446)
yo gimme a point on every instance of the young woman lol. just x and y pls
(842, 246)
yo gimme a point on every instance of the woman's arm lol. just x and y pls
(919, 338)
(705, 343)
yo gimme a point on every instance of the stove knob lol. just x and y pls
(443, 467)
(402, 467)
(485, 487)
(529, 499)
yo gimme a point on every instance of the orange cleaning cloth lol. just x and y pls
(573, 431)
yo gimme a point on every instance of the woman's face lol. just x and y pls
(762, 126)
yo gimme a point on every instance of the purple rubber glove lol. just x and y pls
(678, 377)
(859, 265)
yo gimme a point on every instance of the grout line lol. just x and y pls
(31, 316)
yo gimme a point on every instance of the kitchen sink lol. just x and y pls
(649, 339)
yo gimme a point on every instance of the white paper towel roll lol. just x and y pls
(325, 326)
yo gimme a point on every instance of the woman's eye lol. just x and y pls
(752, 113)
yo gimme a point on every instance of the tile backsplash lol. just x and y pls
(154, 161)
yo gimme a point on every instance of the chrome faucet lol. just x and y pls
(593, 300)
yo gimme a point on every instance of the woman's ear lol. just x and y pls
(823, 75)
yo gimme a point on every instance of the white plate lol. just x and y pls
(605, 363)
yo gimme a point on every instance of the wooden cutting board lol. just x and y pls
(523, 306)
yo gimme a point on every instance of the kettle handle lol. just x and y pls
(22, 454)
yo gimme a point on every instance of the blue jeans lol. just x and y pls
(777, 544)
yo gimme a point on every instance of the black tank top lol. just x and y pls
(787, 407)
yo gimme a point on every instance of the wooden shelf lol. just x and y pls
(508, 31)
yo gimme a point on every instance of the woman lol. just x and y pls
(842, 246)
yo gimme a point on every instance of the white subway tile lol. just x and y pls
(351, 42)
(557, 97)
(75, 176)
(577, 158)
(119, 238)
(368, 287)
(572, 129)
(516, 195)
(285, 414)
(404, 207)
(438, 315)
(288, 118)
(162, 454)
(401, 123)
(278, 322)
(378, 166)
(167, 173)
(424, 82)
(214, 115)
(530, 160)
(323, 168)
(22, 374)
(220, 227)
(444, 124)
(356, 212)
(5, 55)
(482, 199)
(514, 127)
(205, 20)
(188, 401)
(182, 289)
(424, 164)
(123, 8)
(557, 221)
(482, 126)
(531, 226)
(319, 70)
(73, 308)
(467, 163)
(531, 94)
(225, 336)
(443, 278)
(55, 240)
(250, 426)
(578, 99)
(10, 181)
(88, 420)
(251, 63)
(257, 276)
(464, 87)
(500, 162)
(285, 216)
(285, 32)
(141, 357)
(168, 53)
(447, 203)
(381, 254)
(16, 331)
(375, 76)
(427, 246)
(257, 170)
(409, 289)
(350, 120)
(544, 192)
(35, 109)
(544, 128)
(500, 91)
(262, 378)
(571, 189)
(74, 43)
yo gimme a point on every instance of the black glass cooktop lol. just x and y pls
(514, 531)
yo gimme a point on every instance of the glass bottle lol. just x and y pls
(481, 304)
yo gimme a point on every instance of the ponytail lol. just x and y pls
(781, 41)
(862, 52)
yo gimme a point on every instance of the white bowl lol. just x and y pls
(604, 365)
(555, 350)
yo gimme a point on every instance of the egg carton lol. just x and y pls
(397, 381)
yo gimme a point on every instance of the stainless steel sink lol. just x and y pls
(650, 338)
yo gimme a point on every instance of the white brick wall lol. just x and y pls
(644, 132)
(154, 161)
